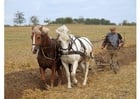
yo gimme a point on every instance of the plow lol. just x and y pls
(102, 61)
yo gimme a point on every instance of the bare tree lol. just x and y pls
(19, 18)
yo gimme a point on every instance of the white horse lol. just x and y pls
(75, 51)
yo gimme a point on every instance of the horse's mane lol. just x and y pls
(40, 29)
(63, 31)
(36, 29)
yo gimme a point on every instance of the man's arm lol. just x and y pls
(104, 42)
(121, 42)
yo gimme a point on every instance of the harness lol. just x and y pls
(70, 50)
(46, 56)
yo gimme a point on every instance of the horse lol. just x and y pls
(47, 54)
(75, 51)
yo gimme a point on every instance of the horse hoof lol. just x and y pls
(69, 87)
(84, 84)
(75, 82)
(47, 87)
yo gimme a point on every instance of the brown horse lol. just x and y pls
(47, 54)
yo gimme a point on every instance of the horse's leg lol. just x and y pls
(75, 65)
(59, 76)
(53, 75)
(67, 74)
(86, 72)
(42, 72)
(82, 66)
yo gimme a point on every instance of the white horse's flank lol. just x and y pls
(82, 45)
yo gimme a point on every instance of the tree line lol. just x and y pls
(95, 21)
(19, 19)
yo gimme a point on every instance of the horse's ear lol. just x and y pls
(62, 30)
(33, 27)
(40, 28)
(58, 32)
(45, 29)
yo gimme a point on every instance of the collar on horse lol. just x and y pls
(70, 50)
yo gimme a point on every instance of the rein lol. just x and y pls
(46, 57)
(33, 44)
(97, 41)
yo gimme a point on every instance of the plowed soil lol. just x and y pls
(25, 84)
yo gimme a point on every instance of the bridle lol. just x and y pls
(41, 49)
(32, 40)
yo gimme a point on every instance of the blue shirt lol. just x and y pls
(113, 39)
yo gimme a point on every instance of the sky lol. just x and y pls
(113, 10)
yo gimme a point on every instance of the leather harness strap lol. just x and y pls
(71, 50)
(47, 56)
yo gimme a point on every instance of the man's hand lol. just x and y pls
(102, 47)
(120, 45)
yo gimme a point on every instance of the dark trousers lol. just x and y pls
(112, 54)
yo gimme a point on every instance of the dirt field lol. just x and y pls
(22, 77)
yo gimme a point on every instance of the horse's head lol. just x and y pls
(39, 37)
(62, 32)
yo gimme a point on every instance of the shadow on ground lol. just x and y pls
(17, 82)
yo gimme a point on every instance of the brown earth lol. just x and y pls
(125, 55)
(102, 85)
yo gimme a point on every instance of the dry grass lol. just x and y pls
(22, 74)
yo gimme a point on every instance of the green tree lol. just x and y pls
(60, 21)
(34, 20)
(124, 22)
(47, 21)
(19, 18)
(68, 20)
(81, 20)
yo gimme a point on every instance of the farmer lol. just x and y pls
(113, 41)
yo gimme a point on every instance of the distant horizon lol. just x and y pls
(43, 23)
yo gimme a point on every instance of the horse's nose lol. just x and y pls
(34, 50)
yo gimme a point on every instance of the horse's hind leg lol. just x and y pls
(82, 64)
(59, 76)
(75, 65)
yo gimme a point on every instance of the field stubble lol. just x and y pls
(22, 78)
